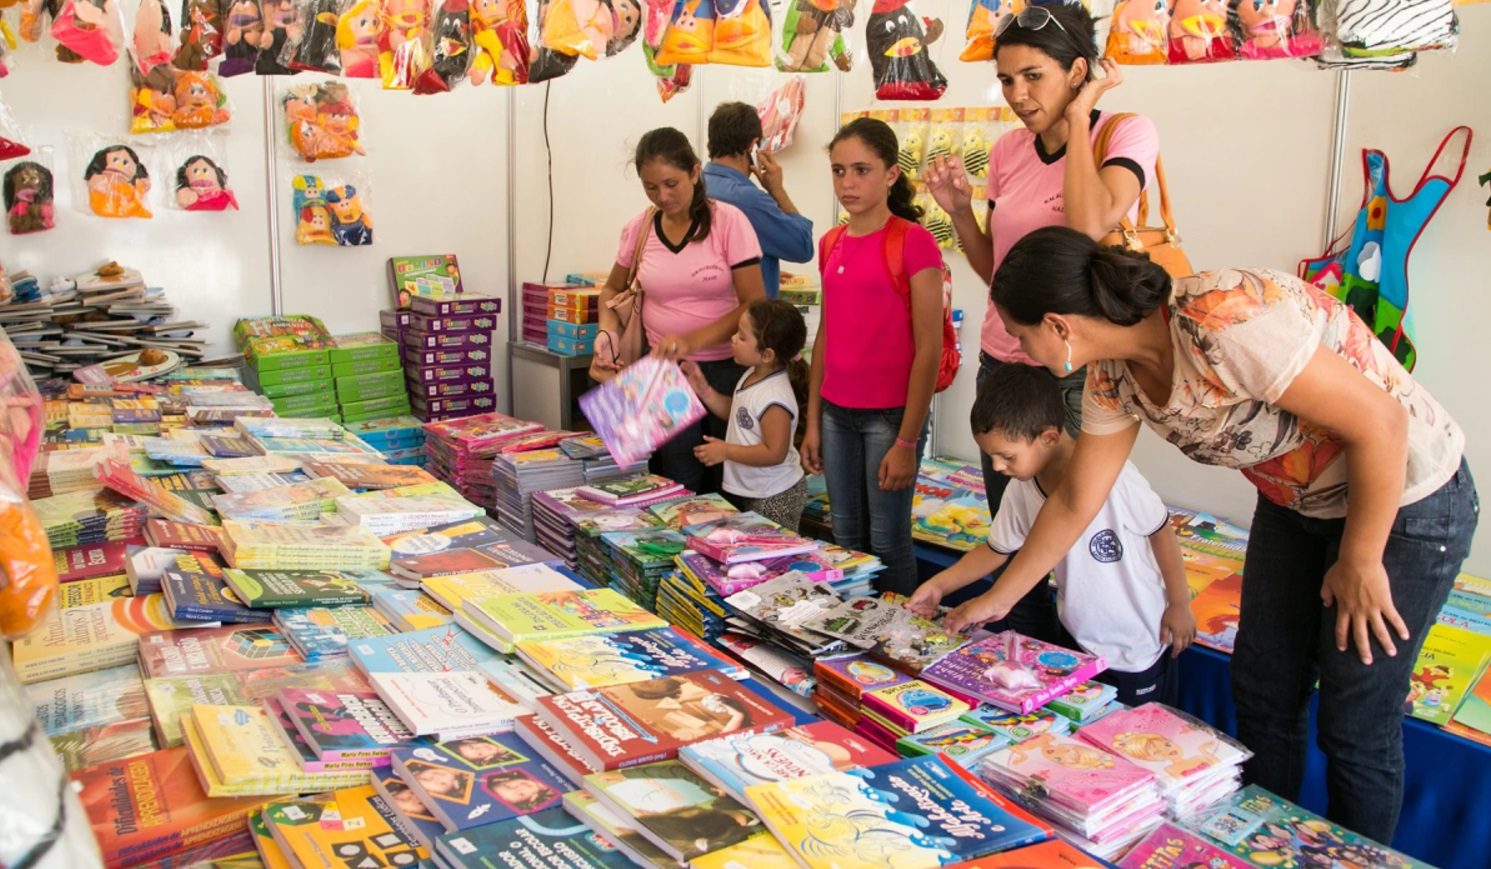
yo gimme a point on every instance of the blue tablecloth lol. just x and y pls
(1444, 808)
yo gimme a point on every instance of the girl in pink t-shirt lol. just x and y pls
(700, 268)
(875, 357)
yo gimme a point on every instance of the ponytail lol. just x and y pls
(780, 328)
(700, 211)
(1057, 270)
(881, 139)
(900, 200)
(672, 147)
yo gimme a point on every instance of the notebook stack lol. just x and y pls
(689, 603)
(461, 451)
(513, 618)
(289, 364)
(555, 513)
(243, 751)
(573, 318)
(591, 550)
(87, 517)
(745, 537)
(322, 633)
(1012, 672)
(519, 475)
(912, 707)
(401, 439)
(600, 465)
(369, 383)
(1195, 764)
(633, 490)
(640, 560)
(448, 345)
(251, 545)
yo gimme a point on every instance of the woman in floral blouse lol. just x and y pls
(1366, 506)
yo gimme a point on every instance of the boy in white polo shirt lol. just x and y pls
(1121, 591)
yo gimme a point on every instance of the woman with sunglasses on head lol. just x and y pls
(1045, 174)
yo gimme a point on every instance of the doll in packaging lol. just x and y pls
(404, 46)
(243, 36)
(28, 198)
(978, 36)
(117, 183)
(153, 43)
(202, 185)
(1268, 29)
(350, 223)
(201, 34)
(316, 51)
(357, 39)
(28, 576)
(499, 34)
(152, 100)
(813, 34)
(281, 28)
(1198, 32)
(1139, 33)
(323, 123)
(312, 215)
(742, 33)
(900, 59)
(91, 30)
(578, 28)
(672, 79)
(451, 54)
(199, 101)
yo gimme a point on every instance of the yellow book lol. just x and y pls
(270, 853)
(91, 637)
(453, 589)
(761, 851)
(239, 751)
(555, 615)
(98, 589)
(318, 833)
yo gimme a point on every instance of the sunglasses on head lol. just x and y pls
(1029, 18)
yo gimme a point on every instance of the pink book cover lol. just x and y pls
(1173, 746)
(728, 579)
(913, 705)
(1067, 771)
(745, 537)
(642, 408)
(1170, 847)
(1013, 672)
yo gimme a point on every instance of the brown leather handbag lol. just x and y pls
(627, 304)
(1162, 243)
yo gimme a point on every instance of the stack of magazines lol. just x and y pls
(461, 451)
(777, 610)
(1195, 764)
(518, 475)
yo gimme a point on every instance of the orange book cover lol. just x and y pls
(1216, 610)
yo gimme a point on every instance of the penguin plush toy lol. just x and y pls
(898, 42)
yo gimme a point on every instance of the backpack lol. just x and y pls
(895, 247)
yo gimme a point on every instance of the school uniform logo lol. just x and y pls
(743, 419)
(1105, 547)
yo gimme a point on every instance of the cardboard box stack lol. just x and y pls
(290, 364)
(369, 380)
(573, 319)
(448, 355)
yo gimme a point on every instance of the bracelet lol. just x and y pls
(902, 442)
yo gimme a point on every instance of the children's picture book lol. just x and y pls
(678, 811)
(515, 618)
(1068, 772)
(1448, 663)
(532, 840)
(1172, 745)
(434, 650)
(480, 780)
(322, 633)
(1475, 709)
(633, 724)
(454, 588)
(642, 408)
(962, 742)
(89, 699)
(733, 763)
(446, 705)
(1085, 701)
(346, 828)
(853, 675)
(679, 513)
(741, 537)
(268, 589)
(1217, 610)
(912, 707)
(728, 579)
(1012, 671)
(784, 603)
(600, 660)
(1171, 847)
(344, 725)
(170, 696)
(230, 648)
(915, 812)
(1050, 854)
(1016, 726)
(638, 489)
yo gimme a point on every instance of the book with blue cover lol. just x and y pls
(434, 650)
(480, 780)
(531, 840)
(320, 633)
(204, 597)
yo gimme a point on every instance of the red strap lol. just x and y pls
(895, 252)
(1464, 155)
(827, 244)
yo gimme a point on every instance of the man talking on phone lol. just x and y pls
(734, 134)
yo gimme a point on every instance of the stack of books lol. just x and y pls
(743, 537)
(534, 331)
(515, 617)
(461, 451)
(690, 603)
(1012, 672)
(264, 545)
(243, 751)
(1086, 702)
(912, 707)
(85, 517)
(776, 610)
(288, 362)
(357, 821)
(478, 781)
(600, 660)
(1195, 764)
(555, 513)
(321, 633)
(635, 490)
(401, 439)
(640, 560)
(573, 320)
(437, 332)
(369, 384)
(478, 543)
(592, 552)
(517, 475)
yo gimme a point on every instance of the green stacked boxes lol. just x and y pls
(368, 377)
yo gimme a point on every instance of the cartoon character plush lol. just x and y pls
(1198, 32)
(628, 15)
(89, 30)
(690, 33)
(28, 198)
(1275, 28)
(322, 122)
(202, 185)
(281, 27)
(117, 183)
(350, 224)
(201, 34)
(578, 27)
(313, 225)
(1139, 32)
(199, 103)
(499, 32)
(316, 51)
(244, 36)
(813, 32)
(403, 46)
(898, 42)
(742, 33)
(153, 101)
(672, 79)
(450, 58)
(152, 37)
(357, 39)
(976, 152)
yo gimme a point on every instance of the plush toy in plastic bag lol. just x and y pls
(91, 30)
(545, 63)
(1199, 33)
(331, 213)
(322, 121)
(282, 28)
(12, 145)
(404, 47)
(28, 197)
(28, 579)
(911, 131)
(976, 140)
(201, 34)
(499, 34)
(34, 15)
(450, 60)
(742, 33)
(672, 79)
(117, 182)
(813, 36)
(1268, 29)
(357, 39)
(578, 28)
(690, 33)
(1140, 32)
(978, 35)
(243, 36)
(202, 185)
(628, 27)
(898, 43)
(316, 50)
(780, 112)
(199, 101)
(152, 100)
(153, 43)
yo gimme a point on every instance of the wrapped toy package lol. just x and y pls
(405, 46)
(28, 187)
(198, 181)
(672, 79)
(1199, 32)
(201, 34)
(450, 58)
(322, 121)
(1281, 28)
(813, 36)
(91, 30)
(332, 210)
(315, 49)
(12, 138)
(899, 43)
(243, 35)
(115, 179)
(780, 112)
(499, 35)
(1139, 33)
(153, 41)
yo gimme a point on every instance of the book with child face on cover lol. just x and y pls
(480, 780)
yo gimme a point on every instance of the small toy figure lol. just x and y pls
(28, 198)
(315, 225)
(1268, 29)
(281, 28)
(201, 35)
(451, 57)
(202, 185)
(813, 32)
(1198, 32)
(403, 46)
(578, 27)
(1138, 34)
(244, 36)
(357, 39)
(117, 183)
(152, 37)
(153, 100)
(322, 121)
(199, 103)
(499, 32)
(628, 16)
(88, 30)
(350, 224)
(742, 33)
(898, 42)
(316, 51)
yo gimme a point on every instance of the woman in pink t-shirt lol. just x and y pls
(700, 268)
(1045, 174)
(875, 357)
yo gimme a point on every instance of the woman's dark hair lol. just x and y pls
(880, 138)
(780, 328)
(1076, 37)
(673, 148)
(732, 129)
(101, 159)
(1056, 270)
(181, 181)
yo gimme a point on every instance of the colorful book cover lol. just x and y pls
(87, 638)
(785, 603)
(693, 510)
(734, 763)
(540, 736)
(1267, 830)
(230, 648)
(204, 597)
(89, 699)
(477, 544)
(1447, 665)
(320, 633)
(909, 814)
(1017, 726)
(347, 828)
(344, 725)
(360, 476)
(1173, 746)
(599, 660)
(640, 722)
(447, 705)
(410, 609)
(679, 811)
(1084, 701)
(417, 817)
(531, 840)
(621, 831)
(520, 617)
(1013, 672)
(249, 545)
(962, 742)
(95, 590)
(167, 534)
(1067, 771)
(436, 650)
(300, 748)
(1170, 847)
(480, 780)
(89, 560)
(239, 750)
(265, 589)
(913, 706)
(912, 643)
(1217, 610)
(728, 579)
(151, 807)
(271, 856)
(171, 696)
(641, 408)
(452, 589)
(102, 743)
(854, 675)
(1475, 708)
(742, 537)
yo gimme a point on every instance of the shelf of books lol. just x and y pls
(277, 647)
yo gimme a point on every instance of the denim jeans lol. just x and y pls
(864, 517)
(1286, 640)
(675, 459)
(1035, 614)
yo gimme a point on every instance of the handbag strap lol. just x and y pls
(1100, 154)
(642, 232)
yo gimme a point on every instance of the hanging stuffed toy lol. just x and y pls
(243, 36)
(7, 45)
(199, 101)
(357, 39)
(1268, 29)
(202, 185)
(780, 113)
(813, 34)
(545, 63)
(33, 19)
(201, 34)
(898, 42)
(1198, 32)
(91, 30)
(281, 28)
(152, 100)
(975, 148)
(578, 27)
(983, 17)
(312, 216)
(672, 79)
(1139, 33)
(690, 33)
(404, 46)
(153, 43)
(742, 33)
(322, 121)
(451, 49)
(11, 146)
(499, 34)
(351, 225)
(117, 183)
(316, 50)
(628, 14)
(28, 198)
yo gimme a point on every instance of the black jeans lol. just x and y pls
(1157, 683)
(1286, 640)
(1035, 614)
(675, 459)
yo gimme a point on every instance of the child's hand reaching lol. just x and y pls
(713, 450)
(925, 599)
(1178, 627)
(696, 378)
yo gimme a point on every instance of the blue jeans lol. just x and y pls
(675, 459)
(1035, 614)
(864, 517)
(1286, 640)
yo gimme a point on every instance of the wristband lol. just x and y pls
(902, 442)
